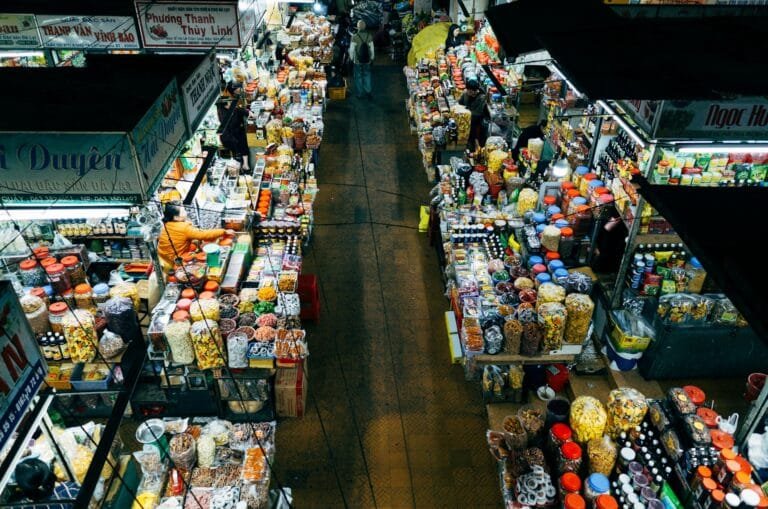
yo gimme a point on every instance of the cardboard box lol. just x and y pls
(291, 391)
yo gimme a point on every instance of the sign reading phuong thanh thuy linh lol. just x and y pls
(40, 166)
(22, 370)
(18, 31)
(201, 89)
(188, 25)
(159, 133)
(92, 32)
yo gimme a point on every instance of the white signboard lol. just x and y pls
(188, 25)
(18, 31)
(246, 19)
(201, 89)
(92, 32)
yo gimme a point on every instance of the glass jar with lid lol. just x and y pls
(75, 269)
(559, 434)
(100, 293)
(596, 485)
(569, 483)
(30, 273)
(574, 203)
(84, 297)
(569, 457)
(565, 247)
(59, 278)
(56, 312)
(581, 221)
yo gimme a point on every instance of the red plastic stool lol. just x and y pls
(309, 295)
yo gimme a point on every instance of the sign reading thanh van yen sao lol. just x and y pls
(201, 89)
(40, 166)
(22, 370)
(740, 119)
(92, 32)
(18, 31)
(158, 135)
(188, 25)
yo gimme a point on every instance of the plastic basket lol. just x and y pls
(79, 384)
(338, 93)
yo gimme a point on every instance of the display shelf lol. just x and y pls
(504, 358)
(106, 237)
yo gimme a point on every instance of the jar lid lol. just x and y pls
(570, 481)
(732, 499)
(539, 268)
(746, 466)
(721, 440)
(70, 261)
(206, 295)
(562, 432)
(183, 304)
(579, 200)
(539, 217)
(556, 264)
(574, 501)
(561, 223)
(557, 217)
(211, 286)
(709, 484)
(552, 256)
(47, 262)
(728, 454)
(188, 293)
(543, 278)
(550, 199)
(704, 471)
(82, 288)
(561, 273)
(28, 264)
(582, 170)
(606, 502)
(540, 227)
(58, 307)
(741, 477)
(733, 465)
(101, 289)
(552, 209)
(53, 268)
(589, 176)
(582, 209)
(605, 198)
(38, 291)
(566, 231)
(598, 483)
(718, 495)
(628, 454)
(533, 260)
(571, 450)
(697, 395)
(695, 263)
(565, 186)
(750, 498)
(180, 315)
(573, 193)
(593, 184)
(763, 502)
(201, 257)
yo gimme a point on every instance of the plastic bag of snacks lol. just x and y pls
(177, 334)
(602, 453)
(552, 315)
(515, 434)
(496, 160)
(206, 339)
(675, 308)
(526, 200)
(532, 337)
(626, 409)
(588, 419)
(578, 282)
(205, 309)
(80, 333)
(128, 290)
(513, 333)
(550, 292)
(580, 308)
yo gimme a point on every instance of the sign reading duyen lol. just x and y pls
(159, 133)
(201, 89)
(39, 166)
(21, 369)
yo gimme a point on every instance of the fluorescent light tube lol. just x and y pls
(741, 148)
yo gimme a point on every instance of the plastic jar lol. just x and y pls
(559, 434)
(237, 349)
(574, 501)
(39, 292)
(550, 257)
(581, 220)
(596, 485)
(542, 278)
(567, 242)
(704, 489)
(550, 238)
(30, 273)
(47, 262)
(100, 293)
(584, 183)
(592, 186)
(84, 297)
(75, 270)
(56, 312)
(36, 312)
(534, 260)
(724, 456)
(606, 502)
(569, 483)
(567, 199)
(59, 278)
(552, 211)
(715, 500)
(576, 202)
(726, 473)
(569, 457)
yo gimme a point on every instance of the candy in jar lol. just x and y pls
(552, 315)
(602, 453)
(527, 200)
(588, 419)
(580, 308)
(36, 312)
(206, 339)
(550, 292)
(626, 409)
(80, 333)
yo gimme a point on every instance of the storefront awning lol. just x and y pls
(720, 226)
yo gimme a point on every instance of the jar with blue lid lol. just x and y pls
(534, 260)
(100, 293)
(540, 228)
(562, 223)
(561, 276)
(596, 485)
(555, 264)
(543, 278)
(576, 202)
(552, 210)
(578, 174)
(539, 218)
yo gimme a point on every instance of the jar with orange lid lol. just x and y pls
(40, 292)
(606, 502)
(565, 206)
(581, 221)
(725, 455)
(84, 297)
(45, 262)
(574, 501)
(703, 490)
(30, 273)
(597, 192)
(75, 270)
(56, 312)
(567, 242)
(569, 483)
(740, 481)
(59, 278)
(715, 500)
(211, 286)
(569, 457)
(702, 472)
(726, 472)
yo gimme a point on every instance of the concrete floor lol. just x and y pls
(390, 422)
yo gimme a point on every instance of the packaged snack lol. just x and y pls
(602, 453)
(580, 308)
(588, 419)
(680, 402)
(552, 316)
(626, 409)
(697, 431)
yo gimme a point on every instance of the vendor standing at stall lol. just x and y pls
(178, 233)
(474, 100)
(454, 37)
(529, 133)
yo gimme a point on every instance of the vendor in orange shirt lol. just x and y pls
(178, 233)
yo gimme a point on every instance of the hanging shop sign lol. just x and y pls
(37, 167)
(159, 134)
(741, 119)
(18, 31)
(92, 32)
(246, 19)
(201, 89)
(642, 112)
(22, 370)
(188, 25)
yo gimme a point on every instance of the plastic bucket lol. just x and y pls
(212, 251)
(755, 383)
(152, 432)
(622, 361)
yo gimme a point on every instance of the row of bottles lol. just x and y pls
(83, 228)
(53, 346)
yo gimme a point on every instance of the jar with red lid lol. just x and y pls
(709, 416)
(75, 270)
(567, 243)
(567, 198)
(42, 252)
(604, 206)
(59, 278)
(696, 395)
(727, 471)
(574, 501)
(725, 455)
(581, 221)
(30, 273)
(559, 434)
(569, 483)
(549, 200)
(569, 457)
(606, 502)
(46, 262)
(56, 313)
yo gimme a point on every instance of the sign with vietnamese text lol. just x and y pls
(159, 133)
(201, 89)
(741, 119)
(188, 25)
(18, 31)
(246, 19)
(92, 32)
(22, 370)
(38, 167)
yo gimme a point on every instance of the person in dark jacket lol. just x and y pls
(474, 100)
(454, 37)
(529, 133)
(233, 134)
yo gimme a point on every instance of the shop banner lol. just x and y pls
(741, 119)
(643, 112)
(159, 134)
(38, 167)
(92, 32)
(22, 370)
(201, 89)
(246, 19)
(18, 31)
(188, 25)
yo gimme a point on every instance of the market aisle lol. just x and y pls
(390, 422)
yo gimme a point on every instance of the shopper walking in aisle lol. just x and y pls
(232, 118)
(361, 53)
(474, 100)
(178, 233)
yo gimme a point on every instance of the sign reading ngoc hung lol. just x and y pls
(92, 32)
(188, 25)
(741, 119)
